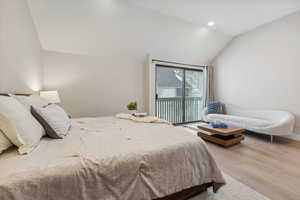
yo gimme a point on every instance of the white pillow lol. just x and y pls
(32, 100)
(19, 125)
(4, 142)
(54, 119)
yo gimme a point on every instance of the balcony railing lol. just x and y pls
(171, 109)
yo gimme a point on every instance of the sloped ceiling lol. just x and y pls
(116, 27)
(231, 16)
(93, 26)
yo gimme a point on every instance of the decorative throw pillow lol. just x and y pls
(18, 125)
(32, 100)
(54, 119)
(4, 142)
(215, 107)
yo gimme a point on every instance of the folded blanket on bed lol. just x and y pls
(148, 119)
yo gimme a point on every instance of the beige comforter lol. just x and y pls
(109, 158)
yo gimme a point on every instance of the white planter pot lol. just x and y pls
(132, 111)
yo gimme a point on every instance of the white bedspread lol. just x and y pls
(109, 158)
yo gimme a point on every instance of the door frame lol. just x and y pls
(151, 71)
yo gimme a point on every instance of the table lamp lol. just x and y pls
(50, 96)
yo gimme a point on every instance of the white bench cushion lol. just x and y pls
(243, 121)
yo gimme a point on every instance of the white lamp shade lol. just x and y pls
(50, 96)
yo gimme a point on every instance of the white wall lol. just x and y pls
(260, 69)
(20, 50)
(95, 51)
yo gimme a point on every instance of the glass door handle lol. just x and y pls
(156, 96)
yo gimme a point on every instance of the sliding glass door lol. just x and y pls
(179, 94)
(193, 95)
(169, 93)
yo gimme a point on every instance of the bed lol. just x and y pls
(111, 159)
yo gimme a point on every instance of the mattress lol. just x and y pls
(111, 159)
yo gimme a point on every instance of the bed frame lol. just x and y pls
(188, 193)
(6, 94)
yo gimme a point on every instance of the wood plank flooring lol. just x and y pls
(271, 169)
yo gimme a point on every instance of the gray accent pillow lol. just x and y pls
(54, 119)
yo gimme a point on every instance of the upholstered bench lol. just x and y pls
(270, 122)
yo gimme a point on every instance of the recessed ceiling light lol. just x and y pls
(211, 23)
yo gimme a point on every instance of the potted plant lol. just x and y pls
(132, 107)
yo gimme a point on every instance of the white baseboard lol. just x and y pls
(296, 135)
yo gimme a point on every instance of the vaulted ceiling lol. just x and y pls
(116, 27)
(172, 28)
(232, 17)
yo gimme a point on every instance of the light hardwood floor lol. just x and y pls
(271, 169)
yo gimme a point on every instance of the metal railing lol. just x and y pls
(171, 109)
